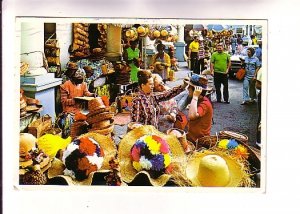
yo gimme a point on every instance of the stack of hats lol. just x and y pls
(33, 162)
(79, 126)
(33, 105)
(23, 103)
(99, 117)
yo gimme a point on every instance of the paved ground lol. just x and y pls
(233, 116)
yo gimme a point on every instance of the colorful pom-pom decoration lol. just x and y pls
(151, 153)
(81, 157)
(232, 144)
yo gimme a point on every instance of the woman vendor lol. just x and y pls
(145, 106)
(161, 62)
(74, 87)
(131, 55)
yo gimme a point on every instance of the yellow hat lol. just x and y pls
(129, 170)
(217, 168)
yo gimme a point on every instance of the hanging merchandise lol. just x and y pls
(143, 30)
(80, 46)
(131, 34)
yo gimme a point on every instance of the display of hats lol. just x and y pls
(145, 152)
(72, 66)
(142, 31)
(218, 168)
(156, 33)
(102, 124)
(164, 33)
(85, 157)
(105, 131)
(95, 104)
(99, 117)
(33, 162)
(78, 128)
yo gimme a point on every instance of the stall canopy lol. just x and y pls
(199, 27)
(217, 28)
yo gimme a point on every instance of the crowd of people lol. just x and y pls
(155, 104)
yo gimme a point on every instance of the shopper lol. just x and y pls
(193, 53)
(201, 56)
(239, 44)
(251, 65)
(200, 111)
(161, 62)
(168, 108)
(258, 52)
(220, 65)
(233, 44)
(131, 55)
(254, 40)
(145, 106)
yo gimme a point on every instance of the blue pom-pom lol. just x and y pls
(232, 144)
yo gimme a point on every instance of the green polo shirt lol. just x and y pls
(220, 61)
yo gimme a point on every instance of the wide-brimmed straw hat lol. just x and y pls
(199, 80)
(129, 172)
(217, 168)
(56, 171)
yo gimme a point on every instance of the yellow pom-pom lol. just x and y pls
(137, 166)
(51, 144)
(167, 160)
(223, 143)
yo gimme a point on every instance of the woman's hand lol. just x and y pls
(197, 91)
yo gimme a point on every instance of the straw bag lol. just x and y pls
(125, 101)
(240, 74)
(38, 127)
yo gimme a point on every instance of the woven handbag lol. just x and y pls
(240, 74)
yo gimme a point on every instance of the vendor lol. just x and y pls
(71, 69)
(161, 62)
(75, 87)
(131, 55)
(145, 106)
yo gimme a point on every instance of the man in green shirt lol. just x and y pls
(220, 65)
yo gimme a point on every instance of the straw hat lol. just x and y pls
(94, 118)
(106, 131)
(56, 171)
(217, 168)
(129, 172)
(103, 124)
